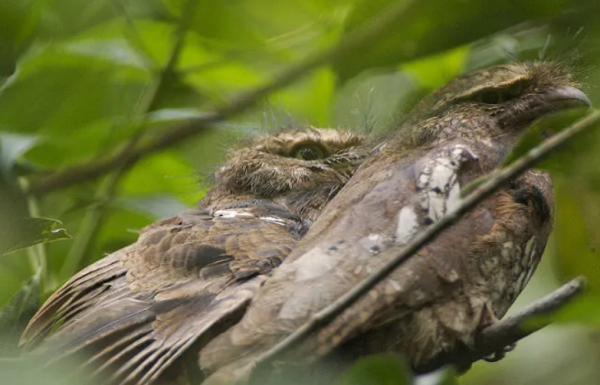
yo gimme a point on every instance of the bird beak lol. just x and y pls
(567, 97)
(555, 100)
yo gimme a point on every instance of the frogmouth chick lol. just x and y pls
(134, 313)
(463, 281)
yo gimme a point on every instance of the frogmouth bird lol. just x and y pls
(458, 284)
(135, 312)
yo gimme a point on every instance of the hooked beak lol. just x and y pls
(567, 97)
(555, 100)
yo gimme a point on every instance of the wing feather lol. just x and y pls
(136, 311)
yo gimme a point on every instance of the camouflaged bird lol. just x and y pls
(458, 284)
(136, 311)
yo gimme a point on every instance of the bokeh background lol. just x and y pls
(85, 82)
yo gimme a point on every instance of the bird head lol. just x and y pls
(494, 103)
(300, 169)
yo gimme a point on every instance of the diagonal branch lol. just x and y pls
(355, 40)
(496, 180)
(518, 326)
(95, 214)
(510, 330)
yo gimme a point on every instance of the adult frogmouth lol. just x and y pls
(134, 313)
(458, 284)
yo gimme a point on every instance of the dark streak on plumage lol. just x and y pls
(458, 284)
(135, 312)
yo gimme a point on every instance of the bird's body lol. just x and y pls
(136, 311)
(463, 281)
(211, 278)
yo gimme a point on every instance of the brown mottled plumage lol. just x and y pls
(136, 311)
(460, 283)
(273, 168)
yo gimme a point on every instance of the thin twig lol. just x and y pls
(149, 99)
(38, 258)
(512, 329)
(498, 179)
(355, 40)
(518, 326)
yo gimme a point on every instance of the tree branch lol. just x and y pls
(355, 40)
(510, 330)
(518, 326)
(93, 218)
(496, 180)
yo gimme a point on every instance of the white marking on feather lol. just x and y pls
(373, 243)
(528, 250)
(395, 285)
(486, 141)
(407, 225)
(453, 198)
(440, 179)
(439, 183)
(521, 282)
(506, 250)
(530, 272)
(313, 264)
(228, 213)
(381, 147)
(445, 161)
(275, 220)
(451, 276)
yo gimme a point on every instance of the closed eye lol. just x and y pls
(496, 95)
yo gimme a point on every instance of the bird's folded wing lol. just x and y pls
(138, 309)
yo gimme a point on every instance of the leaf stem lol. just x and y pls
(148, 101)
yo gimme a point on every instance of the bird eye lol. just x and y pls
(514, 89)
(308, 152)
(499, 95)
(491, 97)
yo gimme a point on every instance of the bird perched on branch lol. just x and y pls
(458, 284)
(135, 312)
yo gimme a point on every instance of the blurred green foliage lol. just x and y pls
(81, 80)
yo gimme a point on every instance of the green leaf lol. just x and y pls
(25, 232)
(12, 146)
(428, 27)
(34, 370)
(435, 71)
(584, 310)
(577, 234)
(160, 206)
(309, 99)
(380, 369)
(18, 19)
(166, 172)
(372, 100)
